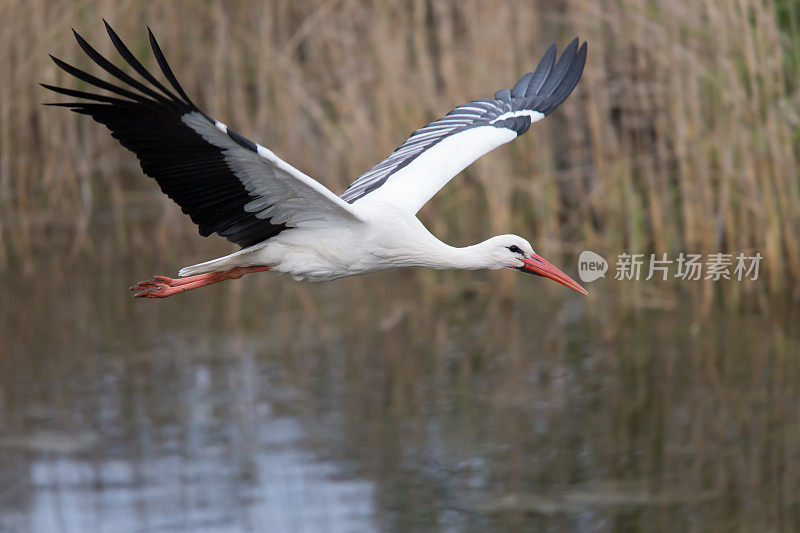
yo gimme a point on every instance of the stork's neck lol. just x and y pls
(433, 253)
(473, 257)
(406, 242)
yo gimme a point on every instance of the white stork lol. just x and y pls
(287, 222)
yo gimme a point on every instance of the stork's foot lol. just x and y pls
(153, 288)
(161, 281)
(163, 286)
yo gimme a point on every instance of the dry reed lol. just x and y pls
(682, 135)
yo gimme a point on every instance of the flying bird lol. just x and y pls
(287, 222)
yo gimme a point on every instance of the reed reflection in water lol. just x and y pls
(400, 401)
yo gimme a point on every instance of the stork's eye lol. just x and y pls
(515, 249)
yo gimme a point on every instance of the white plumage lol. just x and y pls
(287, 222)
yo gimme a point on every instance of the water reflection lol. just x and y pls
(401, 401)
(197, 441)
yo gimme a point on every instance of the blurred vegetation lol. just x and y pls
(682, 135)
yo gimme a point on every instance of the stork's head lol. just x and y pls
(512, 251)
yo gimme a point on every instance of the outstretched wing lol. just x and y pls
(430, 158)
(227, 184)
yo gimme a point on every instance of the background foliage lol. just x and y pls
(682, 135)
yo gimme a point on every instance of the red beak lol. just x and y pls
(539, 266)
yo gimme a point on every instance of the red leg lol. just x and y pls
(163, 286)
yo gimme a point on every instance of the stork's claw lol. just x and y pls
(154, 291)
(158, 281)
(157, 288)
(163, 286)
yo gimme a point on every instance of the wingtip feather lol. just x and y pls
(165, 68)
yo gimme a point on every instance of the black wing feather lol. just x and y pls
(97, 82)
(162, 62)
(148, 121)
(132, 61)
(555, 78)
(115, 71)
(571, 78)
(532, 82)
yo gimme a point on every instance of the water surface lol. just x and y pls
(400, 401)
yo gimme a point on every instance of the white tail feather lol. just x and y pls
(221, 263)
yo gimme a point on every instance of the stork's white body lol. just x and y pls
(387, 237)
(287, 222)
